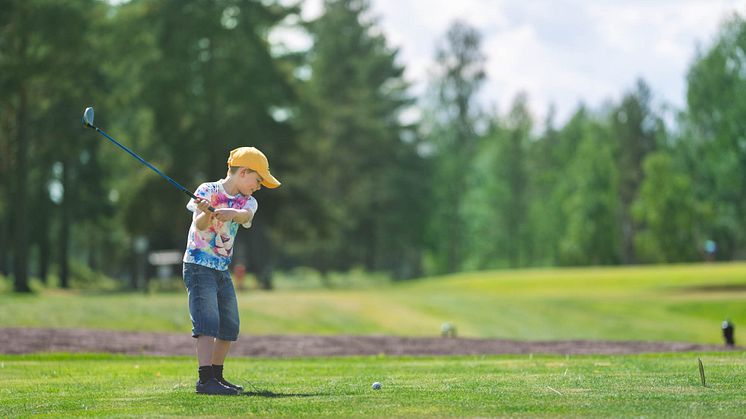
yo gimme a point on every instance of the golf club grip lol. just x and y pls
(197, 199)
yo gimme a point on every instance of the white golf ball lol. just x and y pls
(376, 386)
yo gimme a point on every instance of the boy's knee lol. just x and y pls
(208, 324)
(229, 329)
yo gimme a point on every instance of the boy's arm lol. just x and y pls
(243, 216)
(202, 221)
(203, 216)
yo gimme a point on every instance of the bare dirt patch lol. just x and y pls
(31, 340)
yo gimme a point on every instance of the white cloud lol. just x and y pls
(562, 51)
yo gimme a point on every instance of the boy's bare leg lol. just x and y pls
(207, 383)
(220, 351)
(205, 349)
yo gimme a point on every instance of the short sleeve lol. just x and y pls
(252, 205)
(203, 191)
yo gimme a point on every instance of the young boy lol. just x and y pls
(212, 298)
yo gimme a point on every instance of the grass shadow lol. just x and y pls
(272, 395)
(714, 288)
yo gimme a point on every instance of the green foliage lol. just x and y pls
(45, 79)
(715, 125)
(451, 128)
(498, 194)
(356, 173)
(512, 167)
(486, 239)
(83, 277)
(592, 231)
(652, 385)
(667, 209)
(550, 163)
(634, 131)
(365, 184)
(209, 90)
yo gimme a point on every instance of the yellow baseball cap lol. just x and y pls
(252, 158)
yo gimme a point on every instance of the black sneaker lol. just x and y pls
(212, 386)
(225, 382)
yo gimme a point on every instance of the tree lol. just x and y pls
(497, 193)
(512, 167)
(454, 115)
(551, 156)
(715, 121)
(667, 211)
(592, 234)
(206, 91)
(356, 167)
(43, 72)
(634, 130)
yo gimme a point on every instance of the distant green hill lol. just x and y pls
(678, 303)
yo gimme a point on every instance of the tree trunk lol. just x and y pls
(370, 258)
(514, 234)
(44, 258)
(134, 268)
(6, 187)
(4, 251)
(42, 234)
(65, 221)
(260, 254)
(628, 236)
(20, 198)
(454, 241)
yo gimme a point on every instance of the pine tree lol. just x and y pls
(357, 165)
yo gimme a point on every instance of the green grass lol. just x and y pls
(683, 303)
(665, 385)
(678, 303)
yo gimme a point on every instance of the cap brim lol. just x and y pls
(269, 181)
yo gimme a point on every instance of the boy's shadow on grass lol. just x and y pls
(272, 395)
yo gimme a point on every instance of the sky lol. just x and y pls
(559, 52)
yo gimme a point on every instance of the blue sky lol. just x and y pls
(559, 52)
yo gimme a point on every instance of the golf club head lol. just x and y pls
(88, 117)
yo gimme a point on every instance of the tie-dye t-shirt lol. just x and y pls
(213, 247)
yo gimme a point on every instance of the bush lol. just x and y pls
(83, 277)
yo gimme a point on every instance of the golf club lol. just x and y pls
(88, 122)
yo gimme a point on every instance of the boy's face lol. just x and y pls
(249, 181)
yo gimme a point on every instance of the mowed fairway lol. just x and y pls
(677, 303)
(594, 386)
(674, 303)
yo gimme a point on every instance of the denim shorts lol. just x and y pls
(212, 302)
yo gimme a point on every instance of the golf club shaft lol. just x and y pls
(163, 175)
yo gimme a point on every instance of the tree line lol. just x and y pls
(183, 82)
